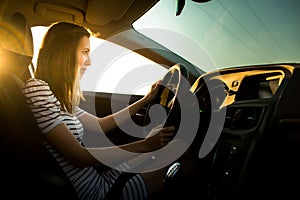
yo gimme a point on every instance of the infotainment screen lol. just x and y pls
(260, 86)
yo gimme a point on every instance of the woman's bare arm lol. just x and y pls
(63, 141)
(112, 121)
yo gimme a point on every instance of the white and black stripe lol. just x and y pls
(89, 183)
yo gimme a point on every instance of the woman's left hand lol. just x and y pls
(152, 92)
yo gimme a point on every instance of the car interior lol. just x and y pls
(246, 142)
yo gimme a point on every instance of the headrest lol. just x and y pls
(16, 46)
(16, 36)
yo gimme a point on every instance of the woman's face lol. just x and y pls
(83, 54)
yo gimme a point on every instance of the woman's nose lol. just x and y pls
(88, 61)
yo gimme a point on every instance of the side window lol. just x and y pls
(114, 69)
(38, 33)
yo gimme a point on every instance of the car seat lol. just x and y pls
(28, 170)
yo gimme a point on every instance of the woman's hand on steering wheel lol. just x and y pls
(159, 137)
(152, 93)
(164, 93)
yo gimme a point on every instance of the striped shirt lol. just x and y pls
(89, 183)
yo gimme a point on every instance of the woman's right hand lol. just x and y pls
(152, 93)
(159, 137)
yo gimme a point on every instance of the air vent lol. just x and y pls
(242, 118)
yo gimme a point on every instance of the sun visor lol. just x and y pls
(58, 13)
(103, 12)
(15, 35)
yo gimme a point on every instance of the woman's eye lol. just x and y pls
(85, 51)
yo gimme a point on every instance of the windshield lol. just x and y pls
(231, 32)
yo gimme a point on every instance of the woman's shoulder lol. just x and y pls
(35, 82)
(37, 90)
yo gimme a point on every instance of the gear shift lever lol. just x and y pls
(172, 171)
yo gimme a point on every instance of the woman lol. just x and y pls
(54, 96)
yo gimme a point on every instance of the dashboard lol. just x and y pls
(257, 104)
(224, 87)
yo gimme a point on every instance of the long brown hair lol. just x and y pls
(58, 65)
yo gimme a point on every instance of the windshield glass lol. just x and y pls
(231, 32)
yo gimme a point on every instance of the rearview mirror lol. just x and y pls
(181, 3)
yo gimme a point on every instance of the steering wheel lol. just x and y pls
(210, 92)
(171, 85)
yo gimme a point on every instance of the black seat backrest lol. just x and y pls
(27, 168)
(17, 123)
